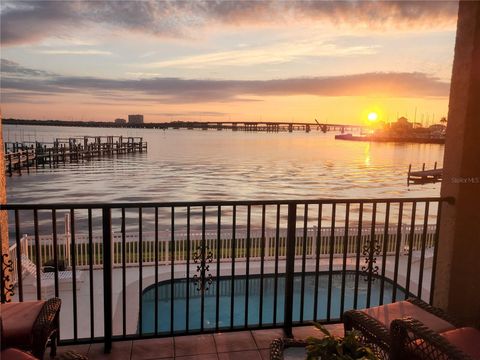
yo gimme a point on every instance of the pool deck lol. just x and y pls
(148, 278)
(240, 345)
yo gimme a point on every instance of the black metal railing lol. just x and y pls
(163, 269)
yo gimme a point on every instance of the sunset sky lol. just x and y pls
(245, 61)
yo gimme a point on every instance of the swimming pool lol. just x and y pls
(225, 319)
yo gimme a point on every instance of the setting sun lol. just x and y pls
(373, 116)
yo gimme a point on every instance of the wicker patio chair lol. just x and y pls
(30, 325)
(374, 323)
(15, 354)
(411, 339)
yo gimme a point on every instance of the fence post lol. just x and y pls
(267, 244)
(27, 160)
(67, 240)
(107, 278)
(313, 232)
(10, 164)
(290, 269)
(19, 156)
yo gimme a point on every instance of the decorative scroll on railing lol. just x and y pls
(6, 268)
(203, 257)
(371, 249)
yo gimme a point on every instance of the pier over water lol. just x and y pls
(21, 156)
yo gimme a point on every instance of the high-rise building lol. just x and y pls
(120, 121)
(135, 119)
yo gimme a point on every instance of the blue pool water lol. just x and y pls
(225, 285)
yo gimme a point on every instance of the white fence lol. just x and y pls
(266, 246)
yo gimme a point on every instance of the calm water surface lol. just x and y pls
(185, 165)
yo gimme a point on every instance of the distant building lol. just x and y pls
(135, 119)
(120, 121)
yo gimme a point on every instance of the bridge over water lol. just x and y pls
(277, 126)
(255, 126)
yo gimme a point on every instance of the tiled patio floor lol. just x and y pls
(250, 345)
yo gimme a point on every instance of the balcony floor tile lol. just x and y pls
(194, 345)
(153, 349)
(263, 338)
(121, 350)
(81, 349)
(234, 341)
(265, 353)
(240, 355)
(198, 357)
(251, 345)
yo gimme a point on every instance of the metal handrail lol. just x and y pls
(116, 205)
(294, 243)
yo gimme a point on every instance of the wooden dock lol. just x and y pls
(26, 155)
(424, 176)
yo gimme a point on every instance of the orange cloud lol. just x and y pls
(17, 79)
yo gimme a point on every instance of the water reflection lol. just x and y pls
(367, 154)
(225, 165)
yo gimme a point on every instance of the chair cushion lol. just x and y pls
(466, 339)
(15, 354)
(17, 322)
(385, 314)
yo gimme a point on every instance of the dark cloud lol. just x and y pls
(19, 99)
(30, 21)
(25, 97)
(176, 90)
(12, 68)
(114, 103)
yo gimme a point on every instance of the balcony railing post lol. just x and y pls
(107, 277)
(290, 269)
